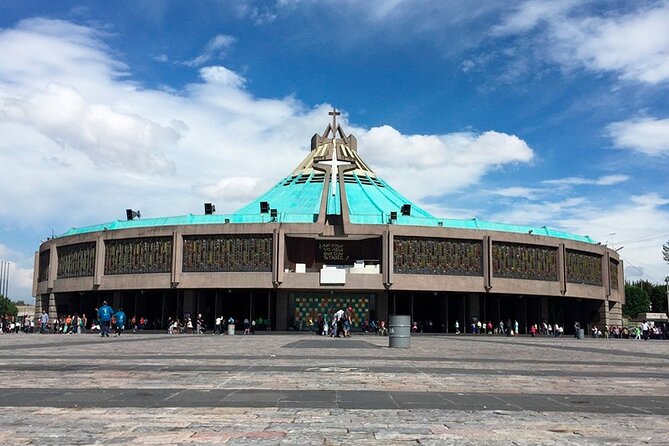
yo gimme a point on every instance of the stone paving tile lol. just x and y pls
(264, 363)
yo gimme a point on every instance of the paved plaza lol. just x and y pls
(305, 389)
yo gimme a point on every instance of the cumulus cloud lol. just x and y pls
(645, 135)
(61, 113)
(233, 188)
(444, 162)
(635, 45)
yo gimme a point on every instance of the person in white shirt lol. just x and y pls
(644, 328)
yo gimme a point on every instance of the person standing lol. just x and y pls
(217, 326)
(645, 328)
(44, 322)
(120, 322)
(104, 318)
(457, 327)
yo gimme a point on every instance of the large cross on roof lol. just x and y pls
(334, 164)
(334, 113)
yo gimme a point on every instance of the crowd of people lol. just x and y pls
(339, 323)
(336, 323)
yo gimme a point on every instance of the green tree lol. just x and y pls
(665, 252)
(637, 301)
(658, 298)
(7, 306)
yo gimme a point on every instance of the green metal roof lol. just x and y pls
(297, 200)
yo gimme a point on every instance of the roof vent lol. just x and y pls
(365, 180)
(303, 179)
(289, 180)
(317, 178)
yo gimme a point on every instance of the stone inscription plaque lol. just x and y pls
(332, 252)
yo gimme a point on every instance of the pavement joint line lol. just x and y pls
(236, 376)
(638, 409)
(173, 395)
(573, 348)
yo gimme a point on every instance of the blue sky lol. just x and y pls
(534, 112)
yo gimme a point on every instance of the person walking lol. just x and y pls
(120, 322)
(104, 318)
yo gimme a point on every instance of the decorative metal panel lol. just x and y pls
(227, 253)
(584, 267)
(613, 273)
(438, 256)
(76, 260)
(138, 255)
(43, 270)
(309, 306)
(528, 262)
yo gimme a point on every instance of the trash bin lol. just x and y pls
(400, 331)
(231, 329)
(580, 333)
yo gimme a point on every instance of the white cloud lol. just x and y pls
(222, 76)
(530, 14)
(61, 113)
(607, 180)
(518, 192)
(635, 45)
(215, 49)
(234, 188)
(645, 135)
(444, 163)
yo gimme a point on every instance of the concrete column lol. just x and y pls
(487, 263)
(38, 306)
(52, 309)
(177, 254)
(35, 277)
(99, 261)
(603, 314)
(53, 267)
(562, 268)
(388, 257)
(615, 313)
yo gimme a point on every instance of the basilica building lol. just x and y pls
(332, 234)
